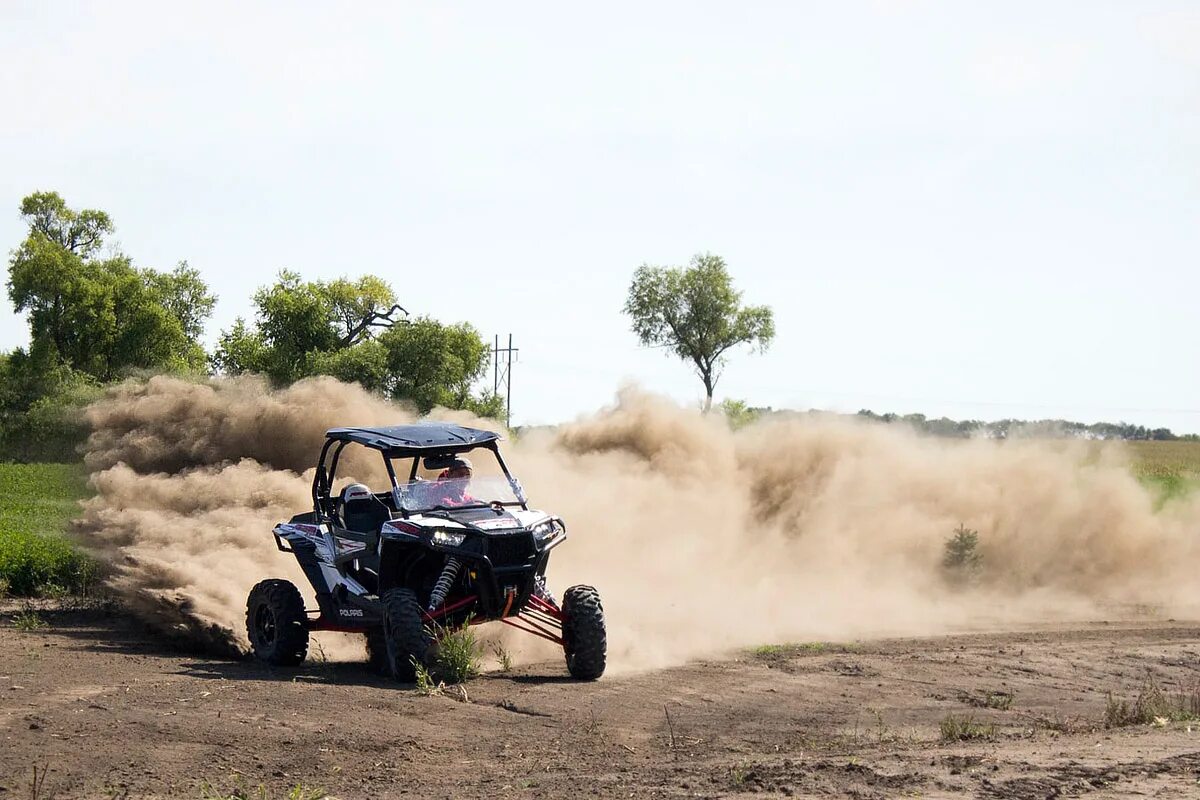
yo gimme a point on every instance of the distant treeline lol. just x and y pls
(740, 413)
(1004, 428)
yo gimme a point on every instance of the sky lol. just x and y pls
(979, 210)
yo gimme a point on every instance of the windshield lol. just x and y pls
(449, 493)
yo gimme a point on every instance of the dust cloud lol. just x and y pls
(700, 539)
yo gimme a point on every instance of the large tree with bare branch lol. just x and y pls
(356, 331)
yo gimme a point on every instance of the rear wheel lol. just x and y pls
(276, 623)
(585, 640)
(404, 637)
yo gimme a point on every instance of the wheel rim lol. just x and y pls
(264, 624)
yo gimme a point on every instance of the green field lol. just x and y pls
(1172, 468)
(36, 503)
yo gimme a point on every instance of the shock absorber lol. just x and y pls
(444, 582)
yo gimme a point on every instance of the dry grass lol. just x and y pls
(956, 728)
(1163, 459)
(242, 791)
(998, 700)
(1153, 706)
(503, 657)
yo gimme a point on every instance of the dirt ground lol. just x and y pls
(111, 711)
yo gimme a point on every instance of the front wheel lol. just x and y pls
(585, 640)
(404, 634)
(276, 623)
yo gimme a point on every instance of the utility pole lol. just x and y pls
(502, 375)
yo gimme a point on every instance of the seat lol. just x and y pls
(362, 511)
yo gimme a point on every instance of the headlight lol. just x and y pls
(545, 531)
(448, 539)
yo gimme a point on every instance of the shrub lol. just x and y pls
(962, 559)
(458, 655)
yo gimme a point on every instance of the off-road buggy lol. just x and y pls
(429, 555)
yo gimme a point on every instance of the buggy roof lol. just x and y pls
(442, 437)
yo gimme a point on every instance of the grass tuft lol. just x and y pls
(1153, 706)
(242, 791)
(963, 729)
(457, 656)
(790, 649)
(426, 684)
(28, 620)
(503, 656)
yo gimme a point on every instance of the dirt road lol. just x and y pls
(113, 712)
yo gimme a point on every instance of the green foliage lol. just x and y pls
(348, 329)
(432, 364)
(185, 295)
(79, 232)
(28, 620)
(738, 414)
(301, 324)
(100, 316)
(1171, 469)
(41, 408)
(961, 558)
(365, 363)
(242, 349)
(426, 684)
(36, 503)
(458, 655)
(696, 314)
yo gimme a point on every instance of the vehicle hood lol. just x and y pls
(485, 519)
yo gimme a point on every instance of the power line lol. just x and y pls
(502, 374)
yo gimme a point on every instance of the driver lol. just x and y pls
(452, 483)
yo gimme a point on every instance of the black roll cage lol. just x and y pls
(322, 483)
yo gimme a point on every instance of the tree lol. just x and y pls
(101, 316)
(349, 329)
(299, 321)
(185, 295)
(696, 314)
(78, 232)
(436, 365)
